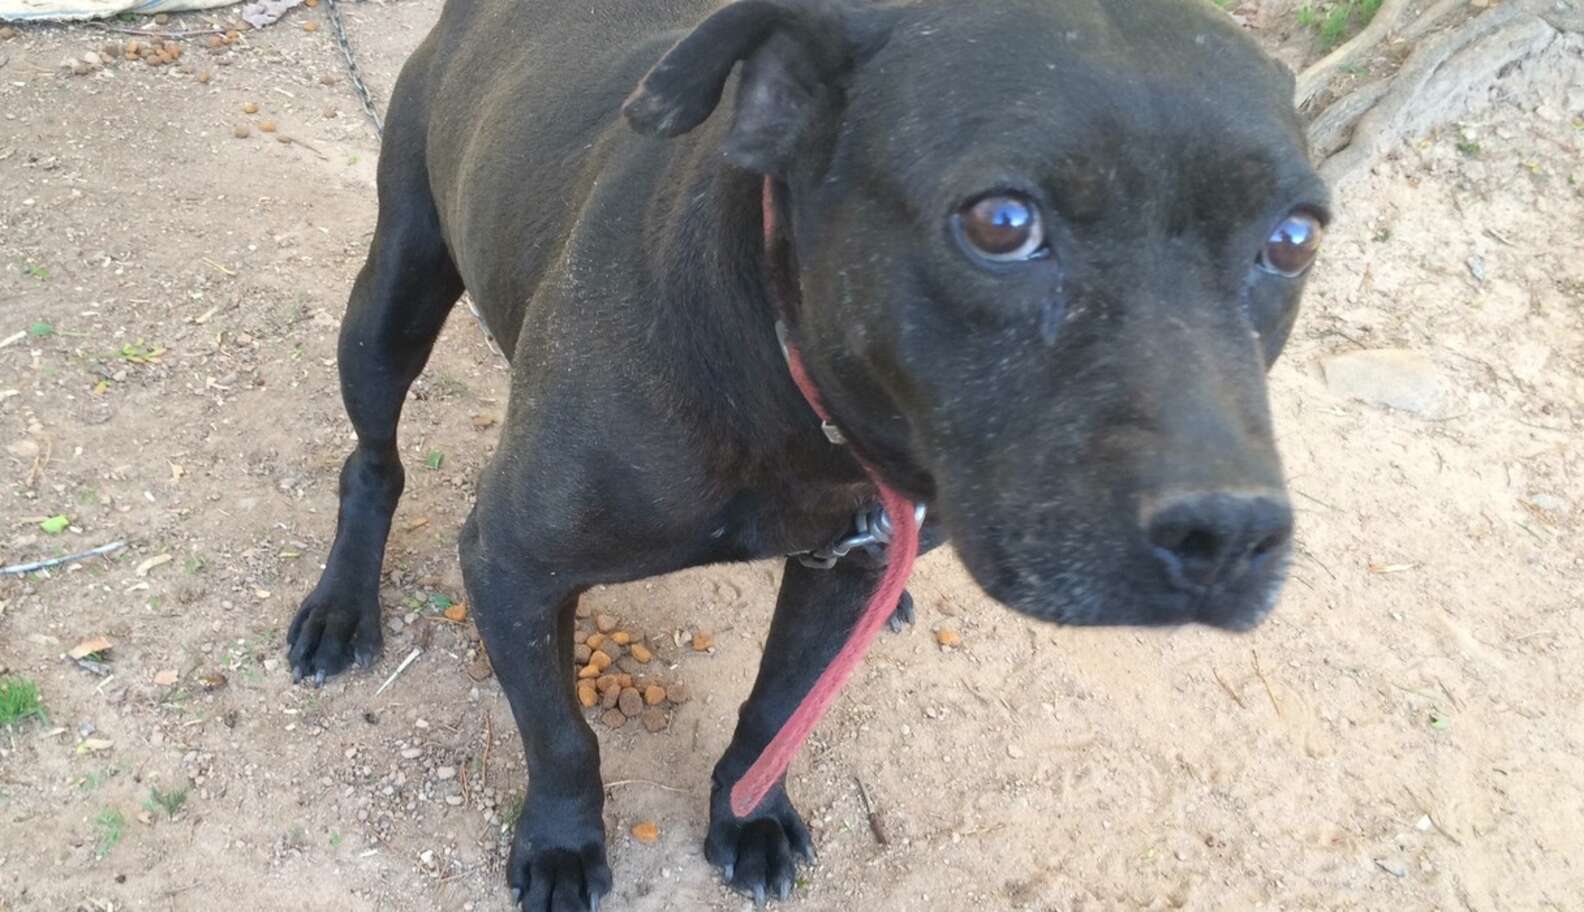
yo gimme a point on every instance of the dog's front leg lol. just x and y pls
(814, 613)
(525, 615)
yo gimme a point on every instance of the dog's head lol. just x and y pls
(1047, 252)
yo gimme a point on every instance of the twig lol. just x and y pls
(489, 740)
(658, 785)
(41, 462)
(411, 657)
(1228, 688)
(1266, 681)
(156, 33)
(1425, 810)
(16, 569)
(876, 825)
(218, 266)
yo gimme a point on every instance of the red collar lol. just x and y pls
(772, 763)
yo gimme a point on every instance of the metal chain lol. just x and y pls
(355, 74)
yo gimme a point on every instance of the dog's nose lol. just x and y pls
(1215, 539)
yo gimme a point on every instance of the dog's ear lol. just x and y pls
(794, 55)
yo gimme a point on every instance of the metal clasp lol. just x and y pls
(872, 533)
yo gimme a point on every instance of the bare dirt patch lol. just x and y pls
(1404, 734)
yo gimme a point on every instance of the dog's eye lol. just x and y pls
(1293, 245)
(1001, 228)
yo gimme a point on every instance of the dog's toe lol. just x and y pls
(560, 880)
(905, 615)
(329, 634)
(759, 856)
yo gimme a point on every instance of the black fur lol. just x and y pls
(1090, 429)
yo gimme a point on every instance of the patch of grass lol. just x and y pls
(1469, 148)
(434, 460)
(335, 840)
(170, 802)
(19, 701)
(1337, 20)
(41, 330)
(36, 271)
(112, 826)
(92, 781)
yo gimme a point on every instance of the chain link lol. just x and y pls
(355, 74)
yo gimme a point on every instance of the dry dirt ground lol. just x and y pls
(1405, 733)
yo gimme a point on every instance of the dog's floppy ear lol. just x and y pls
(792, 53)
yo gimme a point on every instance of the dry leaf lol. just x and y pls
(1391, 568)
(94, 745)
(416, 524)
(166, 677)
(457, 612)
(155, 561)
(90, 646)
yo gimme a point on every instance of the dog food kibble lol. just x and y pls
(249, 107)
(216, 41)
(626, 680)
(586, 695)
(611, 648)
(678, 693)
(654, 719)
(703, 641)
(604, 623)
(948, 637)
(613, 718)
(7, 33)
(241, 131)
(647, 832)
(623, 638)
(589, 671)
(594, 640)
(641, 652)
(610, 697)
(580, 636)
(604, 682)
(310, 26)
(630, 702)
(600, 661)
(267, 126)
(203, 76)
(232, 36)
(581, 653)
(654, 695)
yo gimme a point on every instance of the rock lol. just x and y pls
(604, 623)
(948, 638)
(614, 718)
(654, 695)
(630, 703)
(702, 641)
(1392, 866)
(427, 857)
(480, 669)
(445, 772)
(655, 719)
(412, 753)
(646, 832)
(166, 677)
(678, 693)
(640, 653)
(1393, 377)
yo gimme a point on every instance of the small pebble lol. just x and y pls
(242, 132)
(445, 772)
(703, 641)
(249, 107)
(948, 637)
(267, 126)
(646, 832)
(630, 703)
(310, 26)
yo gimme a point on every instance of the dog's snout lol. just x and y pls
(1215, 539)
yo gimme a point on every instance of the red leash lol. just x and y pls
(772, 763)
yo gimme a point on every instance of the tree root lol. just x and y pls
(1443, 70)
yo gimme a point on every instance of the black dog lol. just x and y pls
(1037, 256)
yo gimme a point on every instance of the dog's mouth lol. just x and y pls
(1083, 583)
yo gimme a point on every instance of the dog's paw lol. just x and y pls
(561, 874)
(332, 632)
(905, 615)
(758, 855)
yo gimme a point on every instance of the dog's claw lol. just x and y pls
(516, 896)
(729, 870)
(319, 678)
(905, 614)
(297, 674)
(759, 896)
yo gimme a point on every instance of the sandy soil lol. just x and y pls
(1405, 733)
